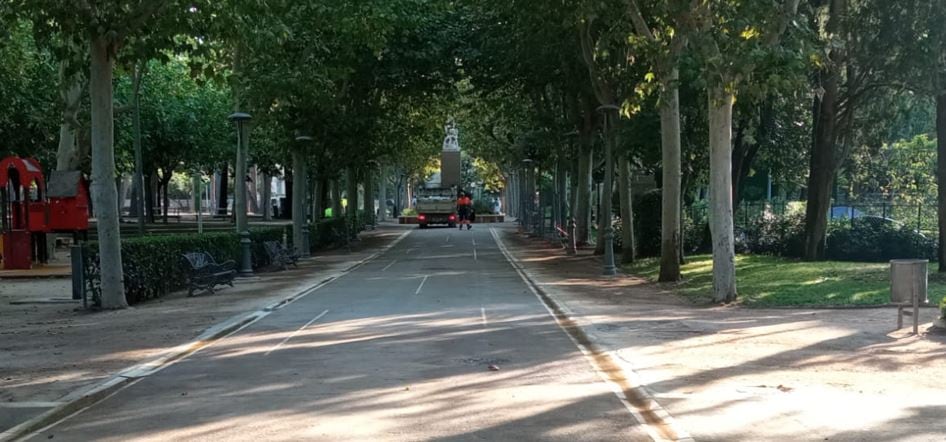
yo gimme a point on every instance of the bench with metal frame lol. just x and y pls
(205, 273)
(281, 256)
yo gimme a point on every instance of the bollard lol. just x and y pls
(78, 273)
(572, 237)
(246, 252)
(609, 268)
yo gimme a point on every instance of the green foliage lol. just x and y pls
(647, 218)
(766, 281)
(776, 235)
(482, 207)
(326, 233)
(28, 119)
(153, 265)
(876, 240)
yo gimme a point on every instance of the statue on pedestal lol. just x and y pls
(452, 140)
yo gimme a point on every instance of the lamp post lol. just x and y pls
(198, 200)
(240, 119)
(299, 185)
(609, 111)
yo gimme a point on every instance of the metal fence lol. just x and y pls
(918, 216)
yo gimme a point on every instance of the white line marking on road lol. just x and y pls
(31, 404)
(408, 252)
(474, 250)
(79, 411)
(296, 333)
(591, 351)
(421, 286)
(448, 238)
(483, 315)
(388, 266)
(256, 316)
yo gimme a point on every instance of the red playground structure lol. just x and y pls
(29, 210)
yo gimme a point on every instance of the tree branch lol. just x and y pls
(640, 25)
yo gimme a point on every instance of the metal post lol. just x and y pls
(240, 119)
(572, 237)
(606, 192)
(78, 273)
(246, 258)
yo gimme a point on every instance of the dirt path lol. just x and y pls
(758, 374)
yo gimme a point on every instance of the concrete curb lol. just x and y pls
(628, 386)
(85, 397)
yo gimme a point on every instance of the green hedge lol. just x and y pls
(153, 268)
(152, 264)
(647, 225)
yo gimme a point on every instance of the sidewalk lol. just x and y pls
(734, 374)
(49, 349)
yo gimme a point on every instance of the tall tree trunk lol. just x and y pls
(573, 191)
(267, 197)
(104, 193)
(298, 198)
(822, 168)
(316, 200)
(136, 141)
(166, 198)
(222, 196)
(352, 194)
(336, 198)
(561, 195)
(149, 192)
(583, 195)
(383, 194)
(252, 190)
(721, 211)
(941, 176)
(71, 88)
(368, 202)
(671, 242)
(629, 249)
(824, 148)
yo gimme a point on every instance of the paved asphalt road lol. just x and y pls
(398, 349)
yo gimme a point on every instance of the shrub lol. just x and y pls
(326, 233)
(874, 239)
(647, 226)
(776, 235)
(482, 207)
(942, 307)
(153, 266)
(409, 212)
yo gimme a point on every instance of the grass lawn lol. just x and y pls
(765, 281)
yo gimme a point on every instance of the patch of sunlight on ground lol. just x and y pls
(766, 281)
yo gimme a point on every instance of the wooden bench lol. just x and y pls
(204, 273)
(280, 256)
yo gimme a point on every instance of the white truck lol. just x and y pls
(437, 205)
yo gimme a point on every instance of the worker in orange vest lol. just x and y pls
(465, 210)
